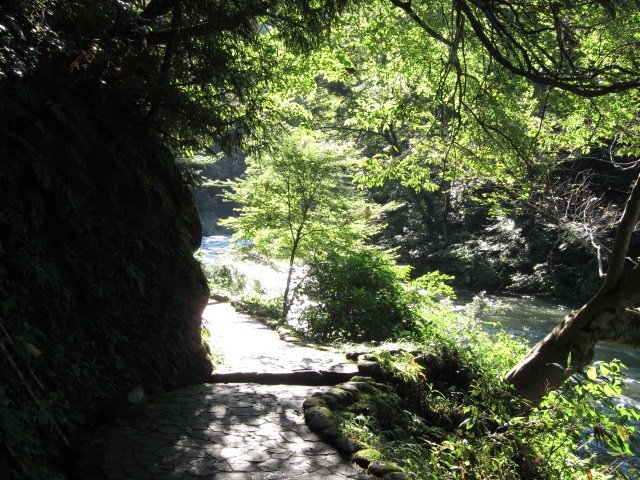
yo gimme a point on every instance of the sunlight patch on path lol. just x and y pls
(247, 345)
(229, 431)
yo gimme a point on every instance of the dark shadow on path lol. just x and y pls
(224, 432)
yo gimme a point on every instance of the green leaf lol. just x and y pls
(604, 369)
(612, 390)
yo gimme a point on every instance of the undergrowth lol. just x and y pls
(260, 306)
(222, 278)
(441, 410)
(444, 411)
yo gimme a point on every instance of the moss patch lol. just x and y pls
(366, 456)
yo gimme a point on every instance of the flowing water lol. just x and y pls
(533, 318)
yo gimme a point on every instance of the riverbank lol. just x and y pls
(533, 318)
(520, 316)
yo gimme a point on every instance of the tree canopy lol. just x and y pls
(198, 72)
(585, 48)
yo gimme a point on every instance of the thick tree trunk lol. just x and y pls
(569, 347)
(547, 365)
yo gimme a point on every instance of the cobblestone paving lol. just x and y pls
(224, 432)
(231, 431)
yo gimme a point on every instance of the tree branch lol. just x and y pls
(406, 6)
(222, 23)
(176, 20)
(626, 228)
(569, 84)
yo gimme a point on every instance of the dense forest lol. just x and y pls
(489, 144)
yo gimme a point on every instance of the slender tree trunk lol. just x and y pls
(569, 347)
(292, 258)
(445, 210)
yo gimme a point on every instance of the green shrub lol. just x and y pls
(260, 306)
(461, 420)
(222, 278)
(359, 295)
(437, 431)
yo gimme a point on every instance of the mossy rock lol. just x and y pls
(330, 400)
(349, 387)
(370, 357)
(366, 456)
(89, 268)
(347, 445)
(314, 401)
(331, 435)
(361, 378)
(320, 418)
(341, 395)
(368, 367)
(362, 386)
(382, 468)
(385, 403)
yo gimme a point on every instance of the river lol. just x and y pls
(520, 316)
(533, 318)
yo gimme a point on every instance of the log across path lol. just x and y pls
(239, 430)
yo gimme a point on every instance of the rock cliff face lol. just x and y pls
(98, 285)
(626, 329)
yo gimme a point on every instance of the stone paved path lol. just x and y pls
(232, 431)
(249, 346)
